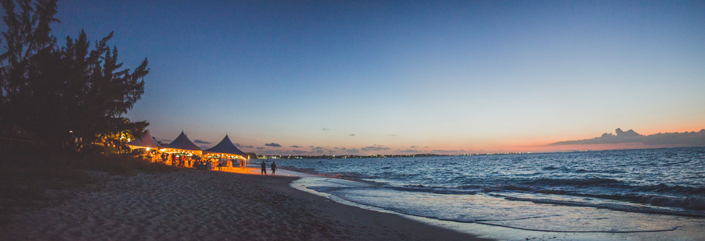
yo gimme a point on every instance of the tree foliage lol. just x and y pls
(67, 96)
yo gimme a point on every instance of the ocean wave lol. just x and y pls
(677, 189)
(595, 181)
(697, 203)
(609, 171)
(685, 202)
(700, 202)
(542, 184)
(659, 195)
(343, 175)
(437, 190)
(304, 170)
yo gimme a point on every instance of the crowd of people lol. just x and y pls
(196, 162)
(210, 163)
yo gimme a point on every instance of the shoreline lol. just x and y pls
(685, 231)
(680, 227)
(191, 204)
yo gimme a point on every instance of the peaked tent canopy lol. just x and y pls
(146, 142)
(226, 147)
(182, 143)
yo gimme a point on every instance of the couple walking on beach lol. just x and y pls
(264, 168)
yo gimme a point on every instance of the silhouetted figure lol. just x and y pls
(274, 167)
(264, 168)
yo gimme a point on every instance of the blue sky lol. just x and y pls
(464, 76)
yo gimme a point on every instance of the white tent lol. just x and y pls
(146, 142)
(226, 148)
(182, 144)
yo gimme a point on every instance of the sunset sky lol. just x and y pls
(362, 77)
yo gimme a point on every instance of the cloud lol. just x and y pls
(260, 148)
(318, 149)
(393, 134)
(310, 146)
(413, 146)
(352, 134)
(353, 151)
(335, 148)
(409, 151)
(272, 144)
(326, 129)
(673, 139)
(278, 152)
(375, 147)
(204, 147)
(295, 146)
(166, 140)
(238, 145)
(197, 141)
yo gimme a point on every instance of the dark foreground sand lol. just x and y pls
(200, 205)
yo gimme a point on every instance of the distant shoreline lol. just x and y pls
(288, 157)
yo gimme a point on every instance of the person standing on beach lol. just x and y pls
(264, 168)
(274, 167)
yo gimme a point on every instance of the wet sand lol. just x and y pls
(210, 205)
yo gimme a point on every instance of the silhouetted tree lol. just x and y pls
(69, 97)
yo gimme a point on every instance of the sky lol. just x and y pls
(405, 77)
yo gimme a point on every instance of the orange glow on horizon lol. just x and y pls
(543, 144)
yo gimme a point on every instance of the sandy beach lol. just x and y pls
(209, 205)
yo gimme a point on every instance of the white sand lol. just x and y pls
(203, 205)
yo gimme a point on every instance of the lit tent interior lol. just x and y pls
(227, 149)
(146, 142)
(182, 145)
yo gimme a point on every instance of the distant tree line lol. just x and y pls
(69, 97)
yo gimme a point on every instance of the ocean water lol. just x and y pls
(616, 191)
